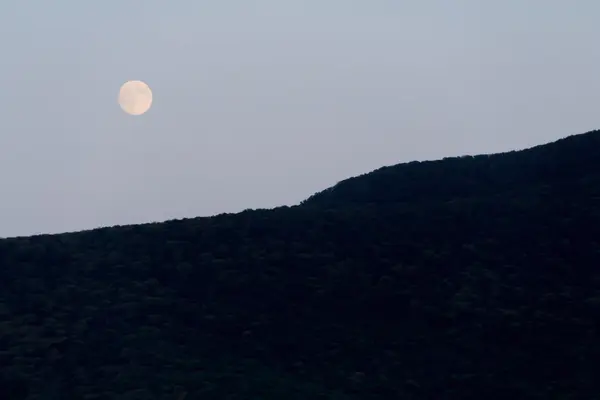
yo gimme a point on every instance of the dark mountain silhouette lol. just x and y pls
(560, 162)
(465, 278)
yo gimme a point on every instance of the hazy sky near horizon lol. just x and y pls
(262, 103)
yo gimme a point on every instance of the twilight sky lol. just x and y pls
(262, 103)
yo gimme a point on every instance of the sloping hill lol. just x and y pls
(574, 157)
(489, 289)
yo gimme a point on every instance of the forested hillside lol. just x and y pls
(555, 163)
(464, 278)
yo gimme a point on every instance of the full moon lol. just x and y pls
(135, 97)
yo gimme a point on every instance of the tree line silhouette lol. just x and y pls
(462, 278)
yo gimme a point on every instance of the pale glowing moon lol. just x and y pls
(135, 97)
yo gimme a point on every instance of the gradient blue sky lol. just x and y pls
(262, 103)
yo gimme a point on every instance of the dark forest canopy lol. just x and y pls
(467, 176)
(463, 278)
